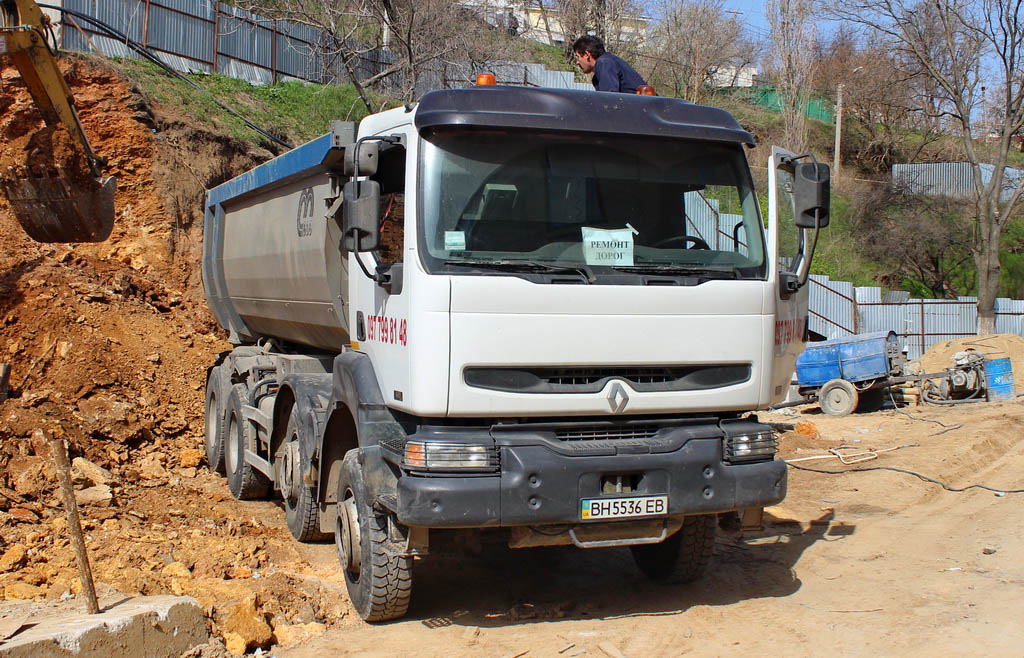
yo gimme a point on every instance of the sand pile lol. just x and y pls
(993, 346)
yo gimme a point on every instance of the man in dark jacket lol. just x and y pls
(611, 73)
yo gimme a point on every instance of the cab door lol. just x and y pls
(788, 248)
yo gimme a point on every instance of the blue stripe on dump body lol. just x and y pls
(300, 161)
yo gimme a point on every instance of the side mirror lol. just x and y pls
(369, 155)
(361, 215)
(811, 195)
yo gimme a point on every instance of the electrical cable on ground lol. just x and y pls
(1001, 492)
(113, 33)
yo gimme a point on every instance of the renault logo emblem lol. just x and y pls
(617, 398)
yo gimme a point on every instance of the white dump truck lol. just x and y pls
(540, 314)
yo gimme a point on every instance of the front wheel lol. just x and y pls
(683, 557)
(378, 576)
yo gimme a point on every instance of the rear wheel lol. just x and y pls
(838, 397)
(683, 557)
(244, 480)
(300, 506)
(378, 577)
(214, 426)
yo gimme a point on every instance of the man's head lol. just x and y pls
(587, 49)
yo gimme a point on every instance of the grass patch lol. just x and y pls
(295, 111)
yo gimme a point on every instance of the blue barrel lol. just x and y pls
(999, 379)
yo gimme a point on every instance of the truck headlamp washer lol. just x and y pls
(749, 447)
(449, 456)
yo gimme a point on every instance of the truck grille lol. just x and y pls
(597, 433)
(592, 380)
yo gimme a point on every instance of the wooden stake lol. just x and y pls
(60, 456)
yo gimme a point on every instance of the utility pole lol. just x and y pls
(839, 131)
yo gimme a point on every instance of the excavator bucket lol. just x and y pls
(54, 207)
(52, 179)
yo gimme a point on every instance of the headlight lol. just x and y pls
(758, 446)
(444, 456)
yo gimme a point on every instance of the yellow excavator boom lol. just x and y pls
(51, 204)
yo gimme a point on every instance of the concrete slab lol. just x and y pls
(138, 627)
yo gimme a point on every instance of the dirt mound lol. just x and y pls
(993, 346)
(109, 345)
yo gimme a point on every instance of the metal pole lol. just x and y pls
(216, 33)
(839, 131)
(60, 456)
(273, 58)
(145, 26)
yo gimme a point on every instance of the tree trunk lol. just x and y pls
(987, 261)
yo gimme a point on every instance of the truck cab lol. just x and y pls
(543, 313)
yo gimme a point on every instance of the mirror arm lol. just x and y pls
(376, 277)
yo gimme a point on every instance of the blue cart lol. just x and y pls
(848, 373)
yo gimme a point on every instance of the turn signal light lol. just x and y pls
(486, 79)
(646, 90)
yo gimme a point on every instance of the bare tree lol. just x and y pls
(880, 98)
(921, 239)
(695, 47)
(344, 25)
(617, 22)
(958, 45)
(792, 41)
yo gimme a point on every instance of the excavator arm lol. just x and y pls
(55, 197)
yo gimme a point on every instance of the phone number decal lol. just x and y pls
(390, 331)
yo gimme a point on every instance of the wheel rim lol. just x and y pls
(289, 481)
(347, 537)
(839, 399)
(211, 422)
(235, 447)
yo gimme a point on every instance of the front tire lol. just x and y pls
(244, 481)
(378, 577)
(683, 557)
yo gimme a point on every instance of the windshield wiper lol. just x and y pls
(723, 272)
(526, 266)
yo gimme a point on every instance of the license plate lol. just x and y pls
(623, 508)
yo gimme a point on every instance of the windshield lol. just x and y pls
(599, 204)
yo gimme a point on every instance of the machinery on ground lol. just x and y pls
(55, 196)
(535, 314)
(854, 373)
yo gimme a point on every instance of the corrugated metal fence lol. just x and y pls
(838, 308)
(954, 179)
(205, 36)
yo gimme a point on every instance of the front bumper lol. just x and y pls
(543, 483)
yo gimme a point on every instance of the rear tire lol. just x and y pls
(683, 557)
(838, 397)
(379, 581)
(214, 426)
(245, 482)
(301, 510)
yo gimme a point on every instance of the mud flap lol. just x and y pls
(53, 208)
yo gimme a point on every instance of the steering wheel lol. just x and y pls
(698, 243)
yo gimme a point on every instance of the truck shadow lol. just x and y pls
(499, 586)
